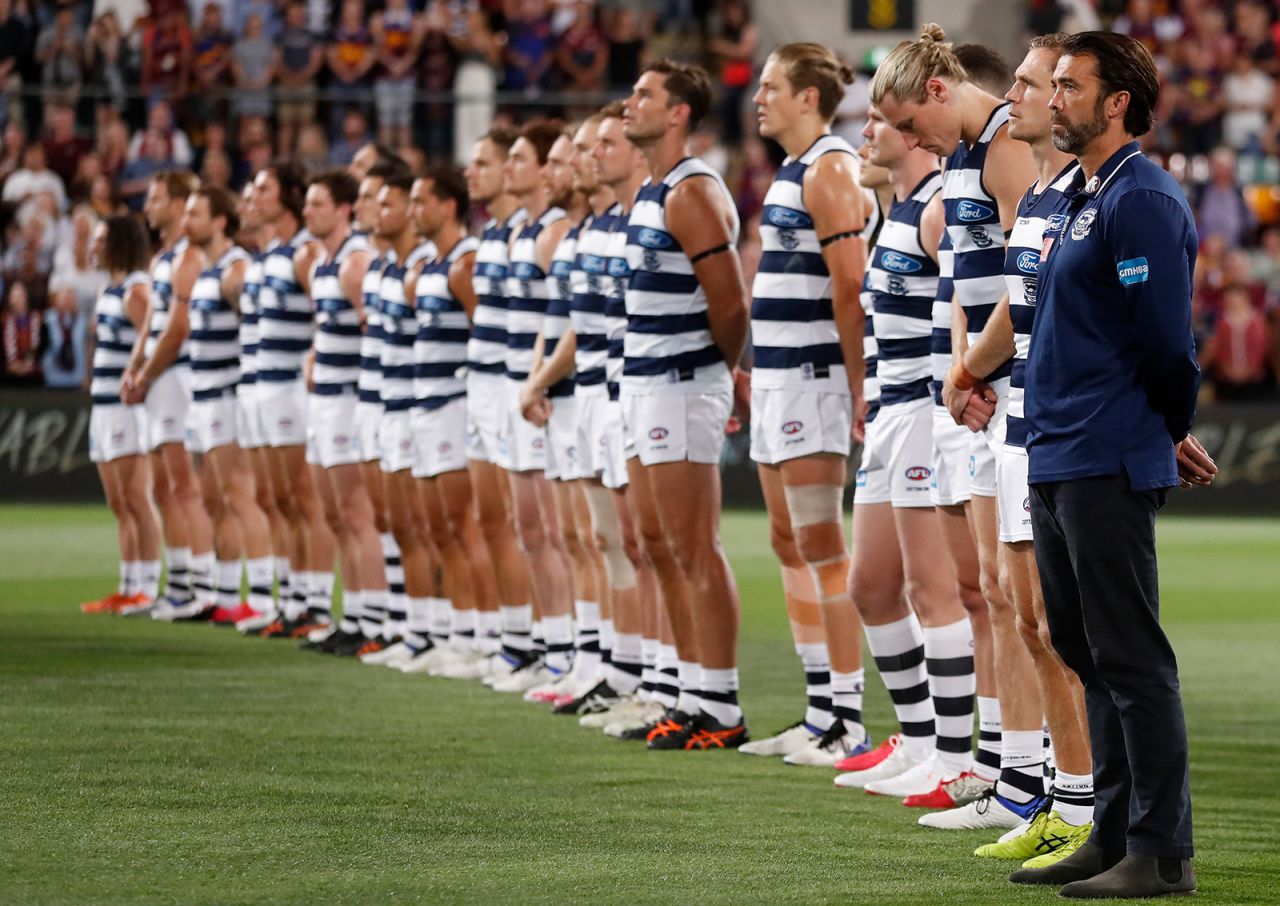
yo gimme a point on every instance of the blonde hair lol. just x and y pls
(810, 65)
(912, 63)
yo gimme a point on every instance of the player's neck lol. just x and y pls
(215, 248)
(627, 191)
(115, 278)
(601, 200)
(884, 195)
(576, 208)
(170, 235)
(502, 207)
(334, 240)
(975, 111)
(909, 173)
(800, 137)
(380, 244)
(664, 154)
(1101, 149)
(1049, 162)
(286, 227)
(534, 203)
(450, 235)
(403, 244)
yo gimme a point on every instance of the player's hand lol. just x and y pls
(1196, 467)
(979, 407)
(860, 409)
(534, 405)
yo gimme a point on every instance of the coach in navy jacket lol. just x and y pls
(1110, 398)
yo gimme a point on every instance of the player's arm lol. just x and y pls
(129, 391)
(233, 283)
(1008, 170)
(136, 301)
(545, 245)
(838, 207)
(460, 282)
(305, 260)
(186, 271)
(351, 280)
(702, 220)
(547, 371)
(993, 347)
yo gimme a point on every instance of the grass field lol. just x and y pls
(184, 764)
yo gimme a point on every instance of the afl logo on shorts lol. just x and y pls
(1026, 504)
(538, 443)
(444, 447)
(340, 440)
(658, 433)
(792, 427)
(918, 473)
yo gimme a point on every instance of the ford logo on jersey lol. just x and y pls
(969, 211)
(892, 261)
(523, 270)
(653, 239)
(493, 271)
(618, 267)
(785, 217)
(918, 473)
(1028, 262)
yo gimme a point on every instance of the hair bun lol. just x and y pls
(932, 32)
(846, 74)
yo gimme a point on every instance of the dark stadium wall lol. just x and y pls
(44, 457)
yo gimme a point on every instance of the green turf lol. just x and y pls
(156, 763)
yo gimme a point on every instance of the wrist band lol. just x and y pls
(961, 377)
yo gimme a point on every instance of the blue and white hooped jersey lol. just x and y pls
(440, 344)
(215, 331)
(337, 342)
(940, 345)
(617, 277)
(527, 295)
(977, 238)
(903, 278)
(870, 351)
(1020, 265)
(284, 314)
(399, 330)
(589, 282)
(794, 339)
(669, 348)
(162, 300)
(559, 300)
(369, 383)
(115, 336)
(249, 294)
(487, 349)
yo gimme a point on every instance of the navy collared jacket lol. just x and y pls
(1112, 374)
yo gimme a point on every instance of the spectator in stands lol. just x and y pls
(60, 54)
(62, 147)
(439, 56)
(396, 34)
(851, 114)
(73, 262)
(1210, 27)
(1264, 264)
(1253, 28)
(1238, 349)
(475, 79)
(104, 196)
(1250, 96)
(14, 42)
(1219, 205)
(88, 168)
(1195, 97)
(217, 169)
(156, 156)
(105, 55)
(353, 136)
(298, 60)
(252, 68)
(313, 148)
(113, 145)
(582, 52)
(528, 52)
(33, 178)
(1140, 22)
(12, 146)
(160, 123)
(351, 57)
(754, 177)
(627, 30)
(211, 63)
(21, 337)
(166, 54)
(733, 44)
(268, 14)
(66, 326)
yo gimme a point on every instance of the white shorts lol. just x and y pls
(283, 409)
(249, 410)
(1013, 494)
(331, 426)
(526, 442)
(439, 439)
(564, 457)
(213, 423)
(487, 418)
(168, 400)
(984, 445)
(395, 441)
(677, 427)
(368, 421)
(592, 416)
(116, 431)
(950, 460)
(895, 458)
(789, 424)
(617, 446)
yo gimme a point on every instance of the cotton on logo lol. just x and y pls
(793, 427)
(658, 433)
(918, 473)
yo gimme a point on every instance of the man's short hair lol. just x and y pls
(292, 179)
(987, 69)
(222, 203)
(180, 184)
(687, 84)
(502, 137)
(449, 183)
(1123, 64)
(342, 186)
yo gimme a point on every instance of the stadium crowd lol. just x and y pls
(95, 97)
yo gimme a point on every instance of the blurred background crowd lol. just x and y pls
(98, 95)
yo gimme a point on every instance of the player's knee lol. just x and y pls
(993, 591)
(783, 544)
(1029, 632)
(972, 600)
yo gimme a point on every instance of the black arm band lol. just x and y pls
(709, 252)
(847, 234)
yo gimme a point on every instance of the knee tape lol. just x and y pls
(813, 504)
(832, 579)
(618, 568)
(802, 601)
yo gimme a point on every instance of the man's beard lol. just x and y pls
(1075, 137)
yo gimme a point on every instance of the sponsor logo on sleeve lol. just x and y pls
(1133, 270)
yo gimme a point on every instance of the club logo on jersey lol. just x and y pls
(918, 473)
(980, 237)
(1029, 290)
(792, 427)
(970, 211)
(786, 217)
(658, 433)
(653, 239)
(1028, 262)
(788, 240)
(896, 286)
(1133, 270)
(650, 260)
(901, 264)
(1055, 224)
(1083, 224)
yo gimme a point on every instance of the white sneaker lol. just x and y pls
(574, 688)
(498, 667)
(167, 611)
(391, 656)
(636, 714)
(535, 674)
(254, 625)
(418, 663)
(623, 710)
(827, 749)
(546, 693)
(799, 735)
(137, 610)
(921, 779)
(319, 635)
(464, 665)
(899, 762)
(987, 813)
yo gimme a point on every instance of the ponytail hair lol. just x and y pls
(810, 65)
(911, 64)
